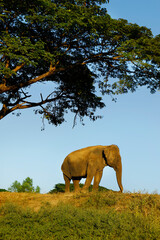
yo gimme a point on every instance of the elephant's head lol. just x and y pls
(112, 158)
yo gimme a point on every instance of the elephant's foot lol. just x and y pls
(77, 190)
(67, 191)
(120, 191)
(84, 190)
(67, 188)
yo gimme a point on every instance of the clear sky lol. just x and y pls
(133, 123)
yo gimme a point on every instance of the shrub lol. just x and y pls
(60, 187)
(3, 190)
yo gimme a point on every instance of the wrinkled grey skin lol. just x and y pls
(88, 163)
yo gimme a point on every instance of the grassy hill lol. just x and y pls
(92, 215)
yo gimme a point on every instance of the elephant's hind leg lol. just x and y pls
(76, 185)
(67, 183)
(97, 180)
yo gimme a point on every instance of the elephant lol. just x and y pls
(88, 163)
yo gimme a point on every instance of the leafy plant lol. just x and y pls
(26, 186)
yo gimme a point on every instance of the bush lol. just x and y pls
(3, 190)
(60, 187)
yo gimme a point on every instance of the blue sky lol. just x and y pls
(132, 123)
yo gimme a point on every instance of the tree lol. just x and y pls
(75, 47)
(26, 186)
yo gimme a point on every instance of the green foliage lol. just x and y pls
(85, 222)
(68, 45)
(60, 187)
(99, 202)
(26, 186)
(3, 190)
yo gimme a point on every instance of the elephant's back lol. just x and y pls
(85, 150)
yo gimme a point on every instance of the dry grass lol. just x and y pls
(99, 200)
(34, 200)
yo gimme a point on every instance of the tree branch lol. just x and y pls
(52, 70)
(4, 88)
(18, 67)
(26, 104)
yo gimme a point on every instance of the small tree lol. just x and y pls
(26, 186)
(15, 187)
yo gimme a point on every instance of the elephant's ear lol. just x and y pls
(110, 156)
(105, 154)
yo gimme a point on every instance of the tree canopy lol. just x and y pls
(76, 48)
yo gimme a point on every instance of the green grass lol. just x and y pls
(97, 216)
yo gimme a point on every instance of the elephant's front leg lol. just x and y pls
(97, 179)
(90, 175)
(88, 182)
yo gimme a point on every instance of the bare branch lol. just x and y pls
(41, 96)
(26, 104)
(74, 121)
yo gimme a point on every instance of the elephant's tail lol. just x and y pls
(65, 168)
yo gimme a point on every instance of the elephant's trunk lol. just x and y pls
(119, 175)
